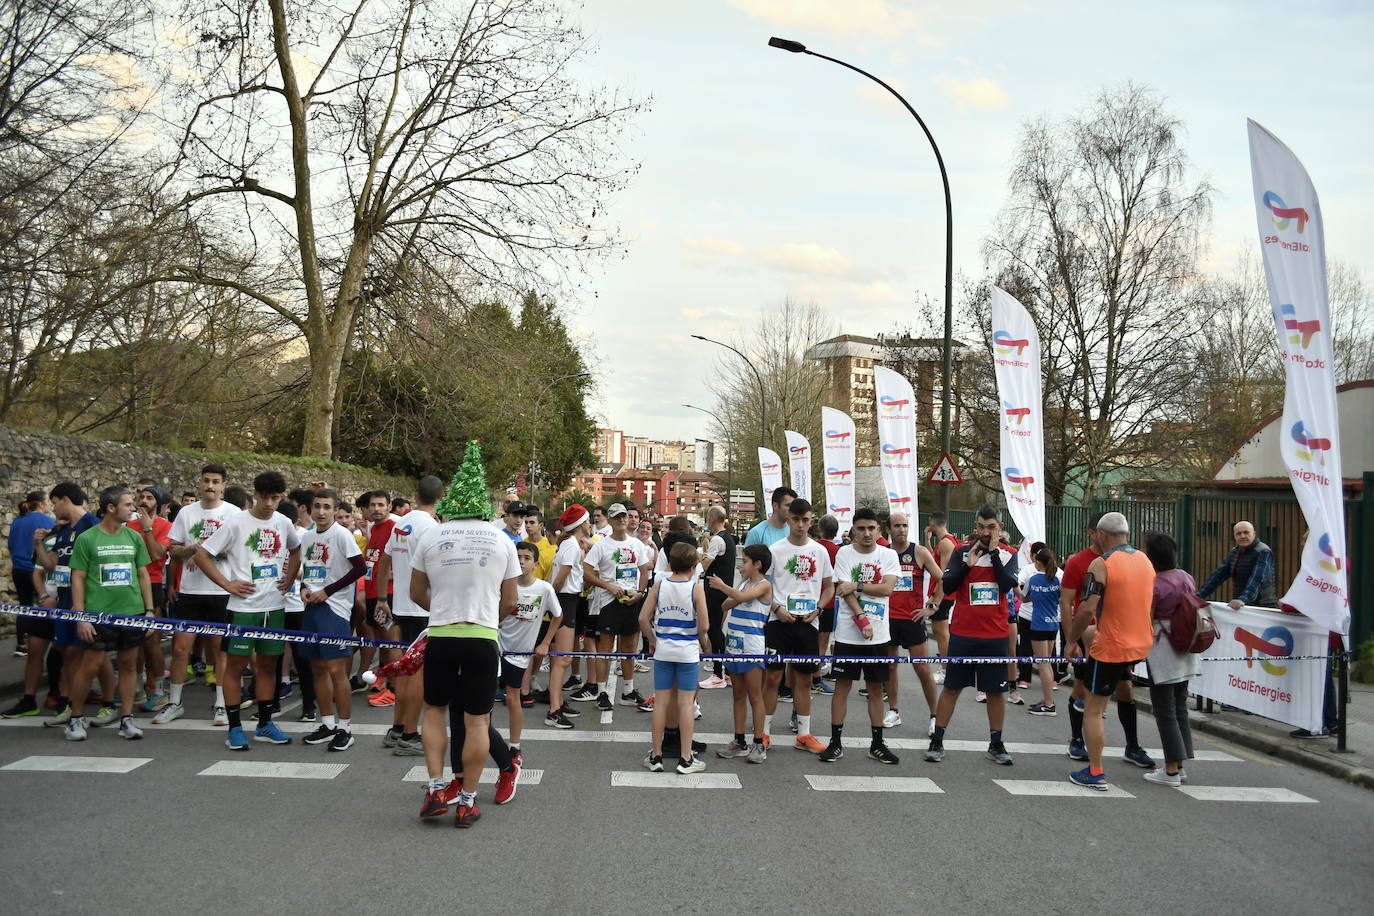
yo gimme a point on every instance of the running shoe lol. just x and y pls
(342, 740)
(76, 729)
(107, 716)
(714, 683)
(283, 690)
(653, 762)
(981, 697)
(27, 706)
(822, 688)
(698, 747)
(863, 691)
(832, 753)
(526, 701)
(1015, 698)
(758, 753)
(154, 702)
(169, 713)
(434, 804)
(997, 753)
(1078, 705)
(1084, 777)
(466, 815)
(892, 718)
(61, 717)
(221, 716)
(1023, 685)
(795, 723)
(1138, 756)
(51, 703)
(687, 767)
(1162, 778)
(583, 694)
(506, 781)
(237, 740)
(880, 753)
(808, 743)
(631, 698)
(196, 668)
(556, 719)
(355, 684)
(210, 678)
(127, 729)
(1040, 709)
(572, 683)
(408, 747)
(393, 734)
(1078, 750)
(452, 790)
(572, 712)
(939, 675)
(767, 742)
(269, 732)
(309, 713)
(646, 704)
(20, 652)
(383, 698)
(322, 735)
(785, 694)
(517, 756)
(539, 696)
(733, 749)
(1066, 680)
(603, 702)
(935, 752)
(642, 667)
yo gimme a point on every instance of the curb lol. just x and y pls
(1355, 775)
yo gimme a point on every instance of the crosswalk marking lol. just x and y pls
(873, 784)
(47, 764)
(645, 780)
(1244, 794)
(274, 770)
(421, 774)
(1060, 788)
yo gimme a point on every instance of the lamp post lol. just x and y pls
(729, 457)
(763, 406)
(535, 416)
(797, 47)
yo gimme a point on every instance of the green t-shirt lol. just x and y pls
(111, 562)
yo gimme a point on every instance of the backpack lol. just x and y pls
(1191, 627)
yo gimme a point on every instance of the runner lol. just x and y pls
(69, 508)
(909, 608)
(109, 576)
(524, 632)
(720, 563)
(941, 545)
(617, 569)
(536, 535)
(979, 576)
(747, 610)
(575, 541)
(674, 622)
(1042, 593)
(514, 517)
(330, 564)
(149, 505)
(829, 529)
(380, 524)
(34, 634)
(775, 527)
(261, 555)
(867, 575)
(601, 525)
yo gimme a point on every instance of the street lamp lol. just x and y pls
(763, 407)
(729, 457)
(534, 414)
(797, 47)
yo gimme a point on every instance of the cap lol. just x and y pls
(572, 517)
(615, 509)
(515, 507)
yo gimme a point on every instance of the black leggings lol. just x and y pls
(458, 733)
(715, 631)
(1023, 648)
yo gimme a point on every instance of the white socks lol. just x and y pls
(804, 728)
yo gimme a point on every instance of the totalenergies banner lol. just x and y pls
(837, 454)
(896, 413)
(799, 463)
(1294, 252)
(770, 469)
(1265, 683)
(1016, 357)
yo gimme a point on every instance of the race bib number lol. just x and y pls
(627, 576)
(315, 575)
(982, 593)
(872, 608)
(114, 575)
(800, 605)
(527, 611)
(904, 582)
(263, 572)
(62, 577)
(734, 645)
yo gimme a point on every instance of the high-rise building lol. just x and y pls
(609, 446)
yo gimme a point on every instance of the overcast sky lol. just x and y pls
(767, 174)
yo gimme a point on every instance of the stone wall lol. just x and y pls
(37, 461)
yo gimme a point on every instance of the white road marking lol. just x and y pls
(643, 779)
(421, 774)
(274, 770)
(1059, 787)
(873, 784)
(1244, 794)
(78, 764)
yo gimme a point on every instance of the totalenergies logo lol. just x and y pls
(1332, 563)
(1299, 332)
(770, 467)
(1018, 413)
(839, 509)
(1283, 213)
(895, 452)
(889, 404)
(1016, 480)
(834, 435)
(1275, 642)
(796, 451)
(1004, 343)
(1309, 447)
(837, 474)
(900, 502)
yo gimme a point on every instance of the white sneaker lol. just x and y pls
(981, 697)
(76, 729)
(221, 716)
(108, 715)
(1164, 779)
(891, 719)
(939, 675)
(127, 729)
(713, 683)
(169, 713)
(642, 667)
(695, 765)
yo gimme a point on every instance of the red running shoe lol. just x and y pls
(466, 815)
(451, 790)
(435, 804)
(505, 784)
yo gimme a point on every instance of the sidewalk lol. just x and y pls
(1270, 737)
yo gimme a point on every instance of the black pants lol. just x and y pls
(1170, 704)
(25, 595)
(458, 733)
(1023, 648)
(715, 631)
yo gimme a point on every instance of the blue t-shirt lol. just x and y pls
(21, 538)
(1044, 596)
(66, 536)
(764, 533)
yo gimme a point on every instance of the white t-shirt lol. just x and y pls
(193, 526)
(466, 561)
(255, 550)
(798, 575)
(675, 621)
(404, 536)
(870, 569)
(325, 557)
(604, 531)
(520, 630)
(661, 568)
(714, 548)
(1023, 575)
(618, 562)
(569, 554)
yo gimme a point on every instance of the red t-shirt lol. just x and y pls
(376, 543)
(1075, 571)
(162, 533)
(980, 605)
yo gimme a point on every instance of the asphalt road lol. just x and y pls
(165, 836)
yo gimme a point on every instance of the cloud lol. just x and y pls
(981, 93)
(711, 245)
(842, 17)
(807, 258)
(874, 94)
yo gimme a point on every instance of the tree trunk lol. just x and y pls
(328, 350)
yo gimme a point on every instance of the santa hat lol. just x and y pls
(572, 516)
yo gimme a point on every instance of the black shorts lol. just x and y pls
(1043, 635)
(461, 671)
(827, 620)
(875, 673)
(1102, 677)
(906, 634)
(989, 678)
(205, 608)
(943, 612)
(38, 628)
(116, 639)
(794, 638)
(159, 590)
(620, 619)
(411, 627)
(512, 675)
(573, 606)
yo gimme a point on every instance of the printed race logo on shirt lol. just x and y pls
(265, 542)
(866, 573)
(623, 556)
(802, 567)
(318, 553)
(1276, 641)
(203, 529)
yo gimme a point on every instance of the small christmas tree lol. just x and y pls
(467, 492)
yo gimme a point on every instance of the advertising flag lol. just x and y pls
(770, 469)
(799, 463)
(1016, 357)
(1293, 247)
(896, 415)
(837, 456)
